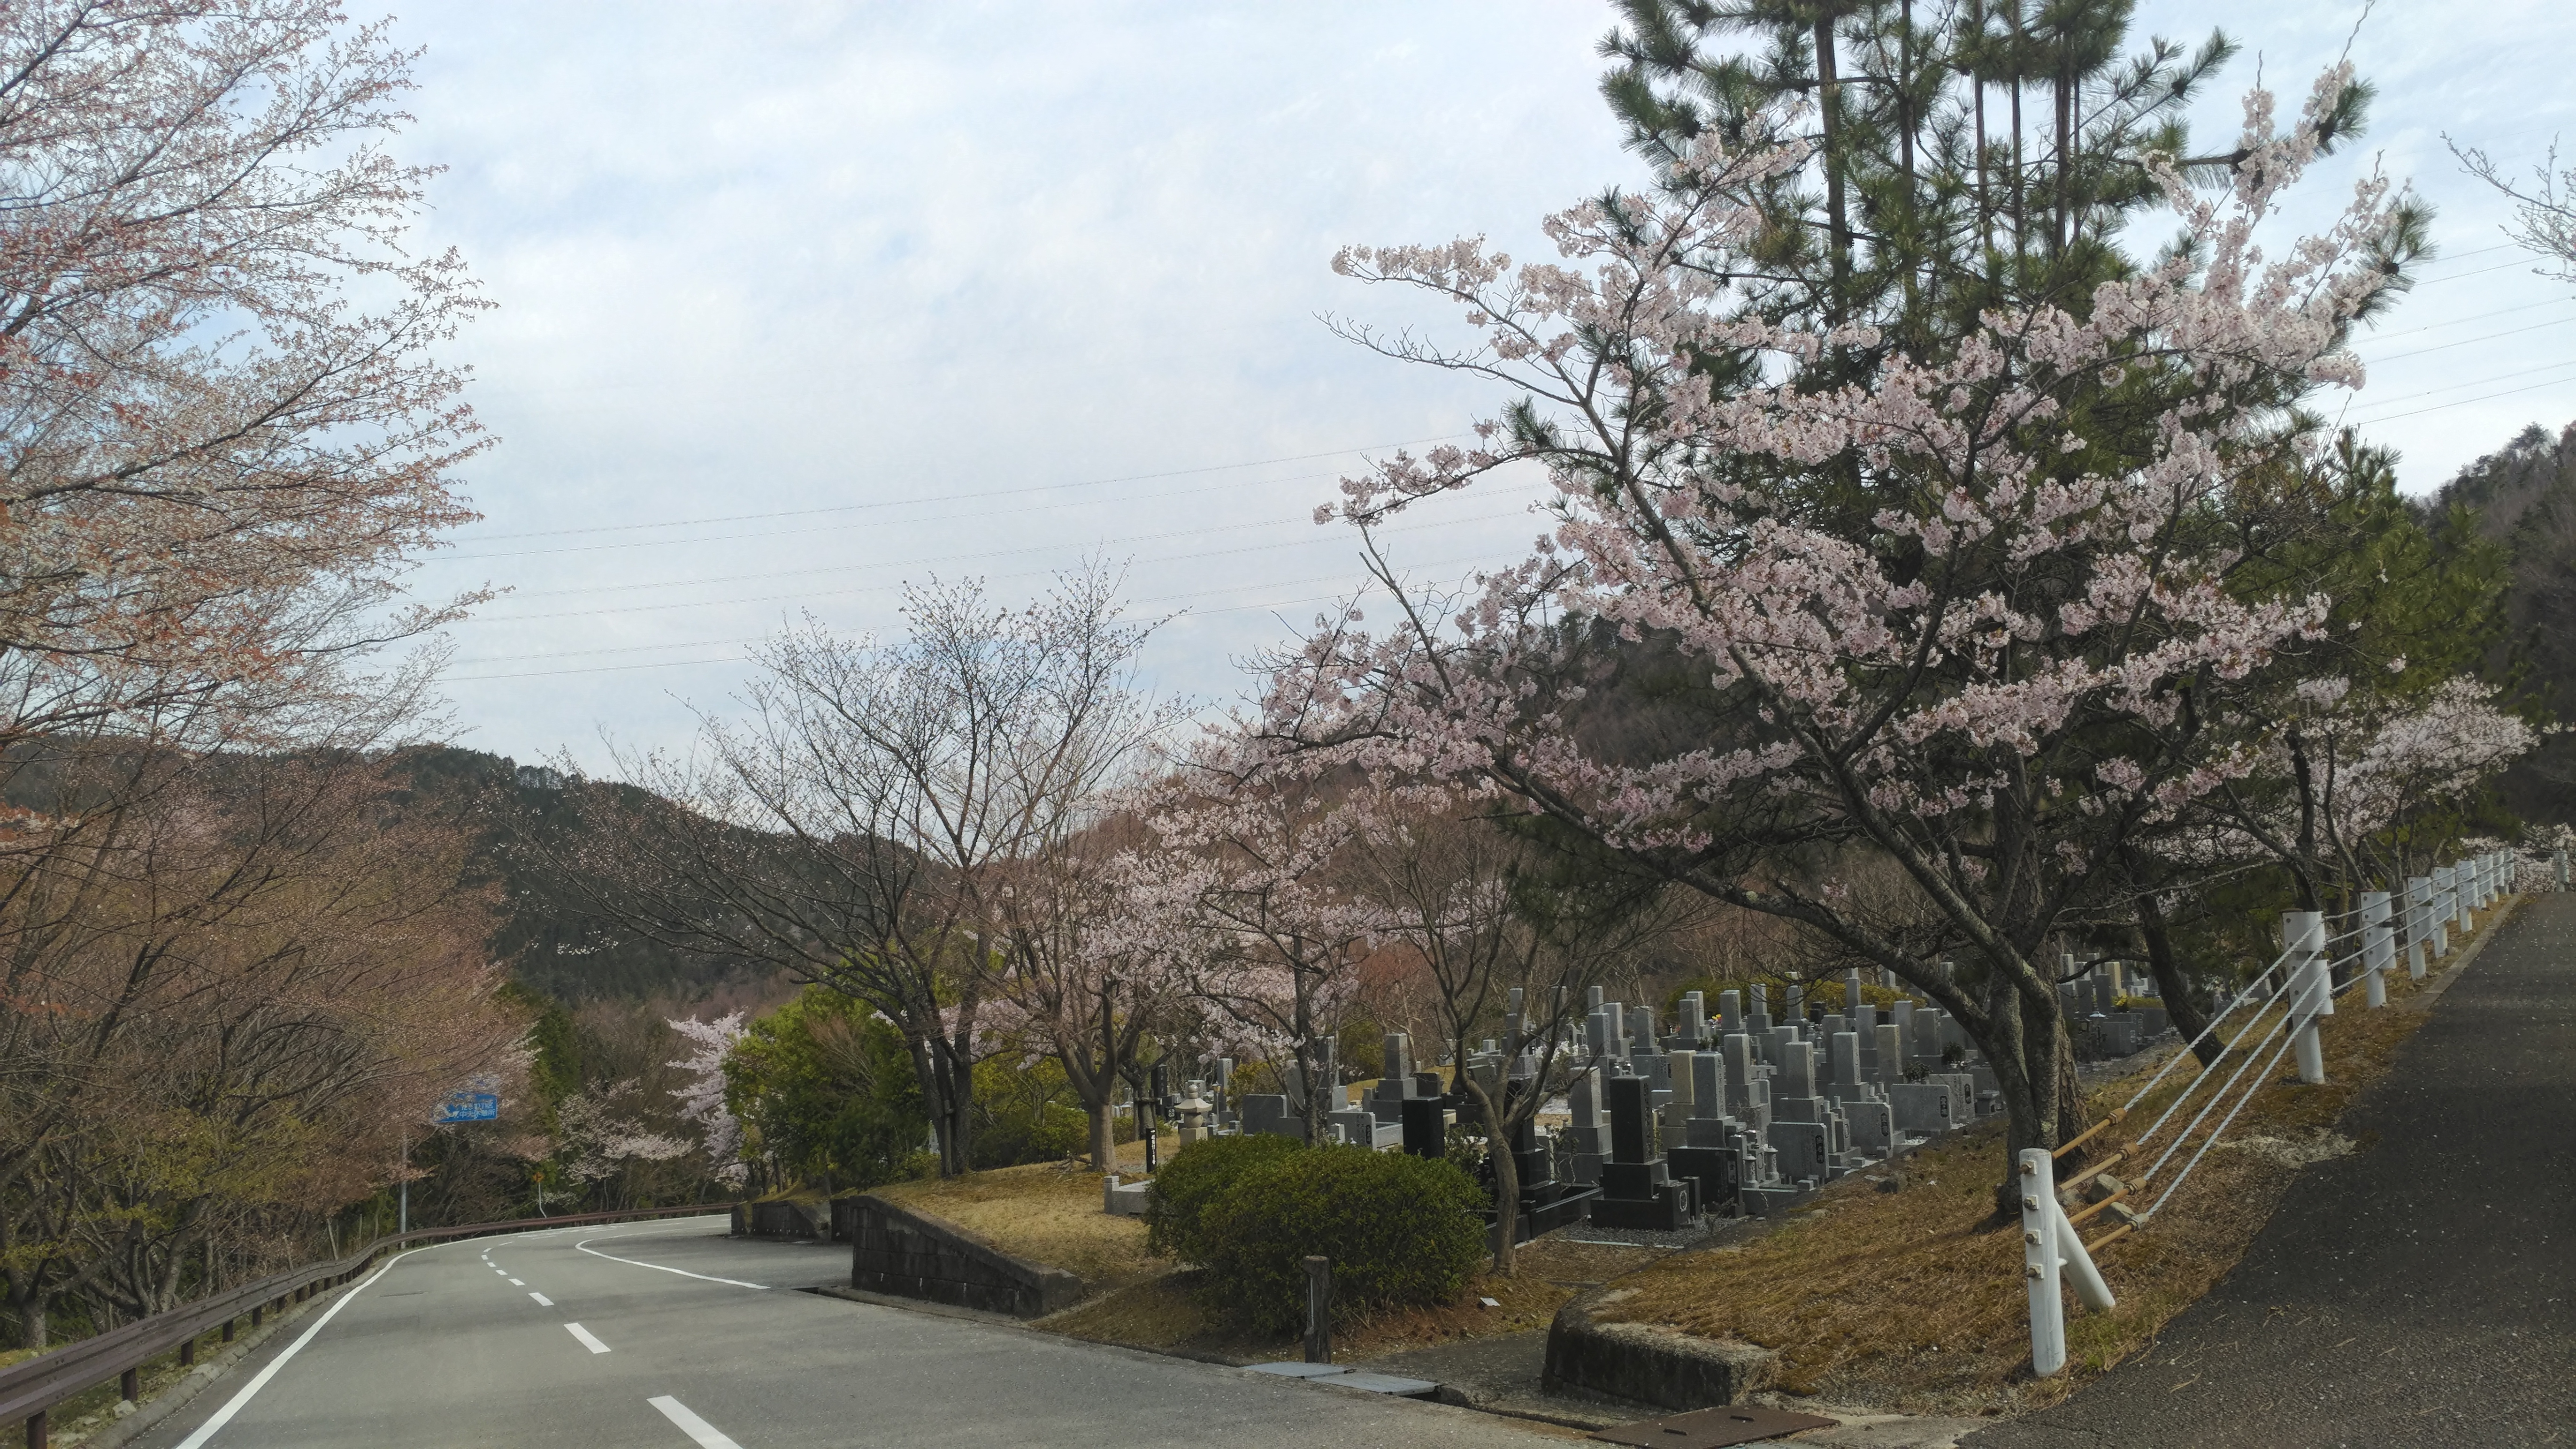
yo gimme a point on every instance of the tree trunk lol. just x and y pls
(1507, 1169)
(2025, 1042)
(1837, 210)
(2172, 987)
(1104, 1135)
(961, 1103)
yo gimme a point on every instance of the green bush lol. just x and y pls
(1399, 1229)
(1197, 1175)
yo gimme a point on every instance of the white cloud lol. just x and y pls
(759, 259)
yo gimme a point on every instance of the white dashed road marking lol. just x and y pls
(542, 1299)
(588, 1339)
(690, 1424)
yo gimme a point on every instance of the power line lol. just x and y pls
(845, 568)
(940, 498)
(2474, 382)
(2480, 272)
(983, 554)
(1137, 603)
(2466, 341)
(2464, 402)
(737, 658)
(2463, 321)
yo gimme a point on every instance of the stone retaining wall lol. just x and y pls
(911, 1255)
(794, 1222)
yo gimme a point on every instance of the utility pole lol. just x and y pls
(402, 1220)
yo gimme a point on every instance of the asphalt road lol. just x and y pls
(671, 1334)
(2417, 1292)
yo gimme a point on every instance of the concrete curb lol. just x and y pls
(1647, 1364)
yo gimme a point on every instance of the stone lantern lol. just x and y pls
(1196, 1110)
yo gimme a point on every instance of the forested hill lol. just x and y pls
(2525, 497)
(549, 942)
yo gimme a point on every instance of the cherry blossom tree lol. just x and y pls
(2353, 770)
(223, 434)
(859, 825)
(702, 1097)
(1085, 975)
(1489, 913)
(599, 1140)
(1971, 617)
(1245, 898)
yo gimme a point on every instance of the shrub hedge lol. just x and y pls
(1198, 1175)
(1399, 1230)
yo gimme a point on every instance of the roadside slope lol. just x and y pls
(2417, 1291)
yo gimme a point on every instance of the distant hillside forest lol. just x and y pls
(2524, 498)
(550, 944)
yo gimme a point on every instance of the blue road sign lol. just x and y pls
(468, 1107)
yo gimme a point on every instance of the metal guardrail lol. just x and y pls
(29, 1389)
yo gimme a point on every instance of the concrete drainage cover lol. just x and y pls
(1295, 1370)
(1714, 1428)
(1402, 1388)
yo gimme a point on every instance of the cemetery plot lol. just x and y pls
(1047, 1213)
(1896, 1287)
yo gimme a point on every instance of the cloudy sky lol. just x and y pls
(797, 303)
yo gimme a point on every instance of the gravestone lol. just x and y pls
(1587, 1136)
(1426, 1127)
(1694, 1023)
(1890, 1057)
(1748, 1095)
(1637, 1189)
(1268, 1112)
(1923, 1109)
(1395, 1083)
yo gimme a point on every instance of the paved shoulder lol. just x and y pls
(2416, 1292)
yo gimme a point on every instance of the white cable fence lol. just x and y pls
(2278, 1012)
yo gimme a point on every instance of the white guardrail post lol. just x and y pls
(2464, 889)
(2443, 910)
(2558, 860)
(2040, 1262)
(2052, 1251)
(2303, 935)
(2419, 924)
(2378, 946)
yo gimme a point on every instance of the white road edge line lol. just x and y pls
(588, 1339)
(542, 1300)
(224, 1415)
(584, 1247)
(706, 1434)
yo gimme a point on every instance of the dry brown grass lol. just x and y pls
(1047, 1213)
(1912, 1300)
